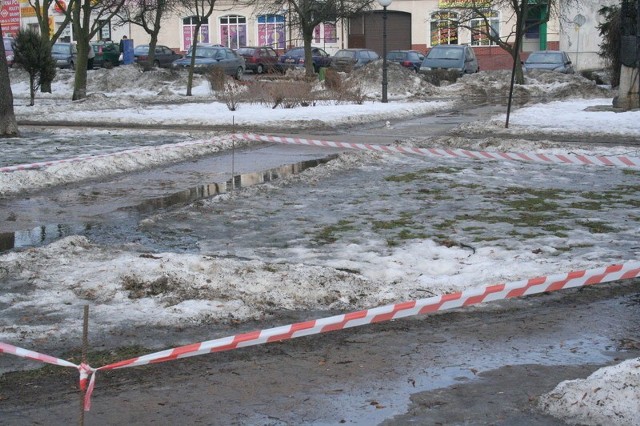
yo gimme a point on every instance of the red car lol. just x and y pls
(260, 59)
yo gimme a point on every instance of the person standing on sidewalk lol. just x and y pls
(90, 55)
(124, 37)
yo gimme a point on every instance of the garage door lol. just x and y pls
(366, 31)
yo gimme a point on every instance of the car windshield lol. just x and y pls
(60, 48)
(204, 52)
(245, 51)
(544, 58)
(141, 50)
(345, 54)
(445, 53)
(295, 52)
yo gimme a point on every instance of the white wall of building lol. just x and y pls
(582, 42)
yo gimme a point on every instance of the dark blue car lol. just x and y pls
(294, 58)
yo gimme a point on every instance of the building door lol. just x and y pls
(365, 31)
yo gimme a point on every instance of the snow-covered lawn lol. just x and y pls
(119, 282)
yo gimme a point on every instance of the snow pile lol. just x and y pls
(101, 166)
(403, 83)
(610, 396)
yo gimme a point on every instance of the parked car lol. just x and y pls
(351, 59)
(65, 55)
(407, 58)
(8, 50)
(294, 58)
(550, 60)
(208, 56)
(451, 57)
(260, 59)
(164, 55)
(107, 54)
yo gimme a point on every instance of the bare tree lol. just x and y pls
(479, 17)
(88, 16)
(306, 15)
(8, 124)
(148, 15)
(42, 8)
(201, 10)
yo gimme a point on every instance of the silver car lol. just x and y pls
(208, 56)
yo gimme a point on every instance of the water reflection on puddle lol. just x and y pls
(47, 233)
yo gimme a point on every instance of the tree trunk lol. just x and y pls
(194, 45)
(8, 124)
(32, 90)
(153, 41)
(152, 51)
(44, 33)
(519, 74)
(45, 87)
(307, 36)
(81, 28)
(80, 81)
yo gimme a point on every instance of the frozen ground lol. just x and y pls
(346, 263)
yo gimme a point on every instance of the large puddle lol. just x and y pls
(128, 216)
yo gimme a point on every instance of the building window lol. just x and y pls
(325, 33)
(444, 28)
(271, 31)
(536, 15)
(233, 31)
(481, 27)
(189, 29)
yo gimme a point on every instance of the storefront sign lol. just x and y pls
(462, 4)
(10, 17)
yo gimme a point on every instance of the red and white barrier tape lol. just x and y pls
(340, 322)
(35, 356)
(574, 159)
(39, 165)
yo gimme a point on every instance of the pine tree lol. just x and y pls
(33, 53)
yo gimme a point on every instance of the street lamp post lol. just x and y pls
(384, 4)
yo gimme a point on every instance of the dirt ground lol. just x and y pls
(480, 366)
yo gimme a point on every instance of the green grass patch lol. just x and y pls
(329, 234)
(391, 224)
(586, 205)
(631, 172)
(407, 234)
(597, 227)
(545, 194)
(601, 196)
(446, 224)
(421, 175)
(532, 204)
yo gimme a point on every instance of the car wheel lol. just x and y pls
(156, 64)
(259, 69)
(239, 73)
(72, 65)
